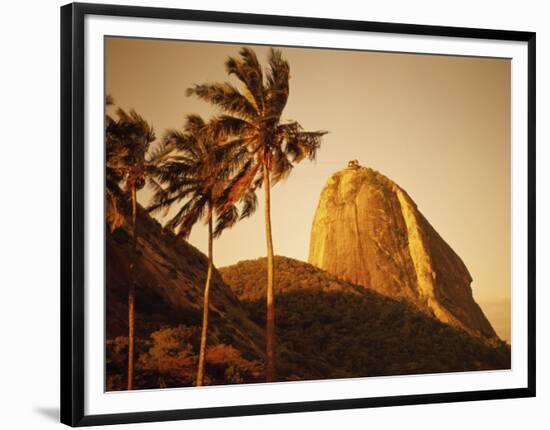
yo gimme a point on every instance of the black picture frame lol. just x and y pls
(73, 210)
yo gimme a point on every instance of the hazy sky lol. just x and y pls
(438, 126)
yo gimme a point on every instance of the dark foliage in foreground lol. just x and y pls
(169, 359)
(170, 276)
(333, 329)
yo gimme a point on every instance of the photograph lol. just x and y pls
(276, 214)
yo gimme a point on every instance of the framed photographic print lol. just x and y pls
(268, 214)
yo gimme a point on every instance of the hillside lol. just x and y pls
(170, 280)
(329, 328)
(326, 327)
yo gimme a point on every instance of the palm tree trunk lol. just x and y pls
(132, 292)
(206, 302)
(270, 303)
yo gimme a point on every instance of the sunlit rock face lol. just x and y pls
(367, 230)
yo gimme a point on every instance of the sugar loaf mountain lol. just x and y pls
(368, 231)
(381, 294)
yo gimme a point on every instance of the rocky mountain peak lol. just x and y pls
(367, 230)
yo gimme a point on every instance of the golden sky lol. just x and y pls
(439, 126)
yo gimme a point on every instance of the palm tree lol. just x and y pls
(116, 199)
(127, 142)
(192, 177)
(253, 114)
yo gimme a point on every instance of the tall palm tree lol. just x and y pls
(128, 137)
(192, 178)
(254, 115)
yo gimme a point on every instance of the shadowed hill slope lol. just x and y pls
(170, 276)
(329, 328)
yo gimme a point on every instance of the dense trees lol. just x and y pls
(331, 328)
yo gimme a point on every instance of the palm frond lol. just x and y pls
(159, 193)
(196, 211)
(248, 70)
(280, 166)
(299, 144)
(223, 126)
(165, 197)
(241, 182)
(185, 143)
(258, 182)
(192, 210)
(226, 97)
(161, 152)
(249, 202)
(278, 76)
(229, 152)
(194, 124)
(226, 219)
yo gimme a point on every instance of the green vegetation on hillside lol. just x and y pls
(168, 359)
(333, 329)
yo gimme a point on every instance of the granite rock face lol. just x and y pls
(368, 231)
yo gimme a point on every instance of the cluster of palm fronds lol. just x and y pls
(211, 170)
